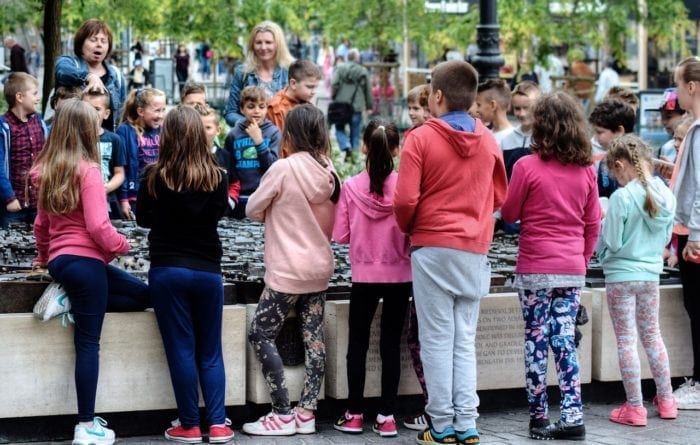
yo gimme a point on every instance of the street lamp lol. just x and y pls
(488, 57)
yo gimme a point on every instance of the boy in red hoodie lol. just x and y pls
(451, 180)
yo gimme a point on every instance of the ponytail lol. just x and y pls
(380, 138)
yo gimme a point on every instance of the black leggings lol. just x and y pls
(364, 298)
(690, 277)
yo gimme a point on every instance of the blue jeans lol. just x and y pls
(93, 288)
(189, 308)
(447, 288)
(354, 142)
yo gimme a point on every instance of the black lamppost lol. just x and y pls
(488, 57)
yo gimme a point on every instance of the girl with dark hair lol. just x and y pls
(296, 200)
(553, 193)
(183, 195)
(381, 268)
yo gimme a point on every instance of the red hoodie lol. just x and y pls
(450, 183)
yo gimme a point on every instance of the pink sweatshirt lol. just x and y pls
(559, 214)
(378, 249)
(86, 231)
(293, 200)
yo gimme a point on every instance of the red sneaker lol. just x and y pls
(349, 423)
(629, 415)
(668, 409)
(220, 434)
(185, 435)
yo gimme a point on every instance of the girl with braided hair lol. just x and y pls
(636, 229)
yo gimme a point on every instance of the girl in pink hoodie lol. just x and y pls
(296, 200)
(381, 268)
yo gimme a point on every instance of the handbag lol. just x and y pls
(340, 113)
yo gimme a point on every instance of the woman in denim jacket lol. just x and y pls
(266, 66)
(92, 45)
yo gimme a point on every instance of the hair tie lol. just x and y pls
(381, 127)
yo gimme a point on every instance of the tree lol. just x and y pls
(52, 44)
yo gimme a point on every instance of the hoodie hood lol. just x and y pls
(665, 202)
(455, 129)
(315, 180)
(371, 205)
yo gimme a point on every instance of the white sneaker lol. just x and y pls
(688, 395)
(98, 434)
(272, 425)
(52, 303)
(304, 424)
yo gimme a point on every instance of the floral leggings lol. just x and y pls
(637, 303)
(269, 317)
(550, 320)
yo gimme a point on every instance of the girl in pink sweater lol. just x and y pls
(554, 195)
(76, 240)
(296, 200)
(381, 268)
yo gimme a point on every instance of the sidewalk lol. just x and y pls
(502, 427)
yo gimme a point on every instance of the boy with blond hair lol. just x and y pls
(492, 105)
(194, 94)
(450, 156)
(517, 144)
(22, 136)
(304, 77)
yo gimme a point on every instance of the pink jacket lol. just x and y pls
(379, 251)
(86, 231)
(293, 200)
(559, 214)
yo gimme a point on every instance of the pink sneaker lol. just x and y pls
(349, 423)
(668, 409)
(304, 424)
(629, 415)
(385, 426)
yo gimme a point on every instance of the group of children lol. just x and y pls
(407, 235)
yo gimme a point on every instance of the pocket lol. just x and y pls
(484, 276)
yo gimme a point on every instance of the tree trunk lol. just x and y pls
(52, 45)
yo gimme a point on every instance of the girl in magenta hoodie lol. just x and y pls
(381, 268)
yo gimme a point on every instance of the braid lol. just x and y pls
(649, 203)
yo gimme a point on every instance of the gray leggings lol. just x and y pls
(269, 317)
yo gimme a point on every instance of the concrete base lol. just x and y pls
(336, 332)
(675, 330)
(37, 362)
(257, 390)
(500, 344)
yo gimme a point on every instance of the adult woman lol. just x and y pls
(88, 69)
(182, 66)
(266, 64)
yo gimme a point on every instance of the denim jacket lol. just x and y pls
(242, 79)
(73, 71)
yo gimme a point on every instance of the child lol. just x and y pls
(624, 94)
(517, 144)
(492, 105)
(181, 199)
(450, 156)
(553, 194)
(381, 268)
(194, 93)
(59, 95)
(22, 135)
(210, 119)
(254, 144)
(296, 201)
(111, 150)
(417, 102)
(687, 191)
(76, 240)
(140, 131)
(304, 77)
(671, 115)
(610, 119)
(636, 228)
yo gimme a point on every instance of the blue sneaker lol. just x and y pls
(430, 436)
(97, 434)
(468, 437)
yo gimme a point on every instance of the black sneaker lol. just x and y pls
(560, 430)
(538, 423)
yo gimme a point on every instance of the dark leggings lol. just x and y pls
(364, 298)
(690, 277)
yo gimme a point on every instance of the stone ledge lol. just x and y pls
(37, 362)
